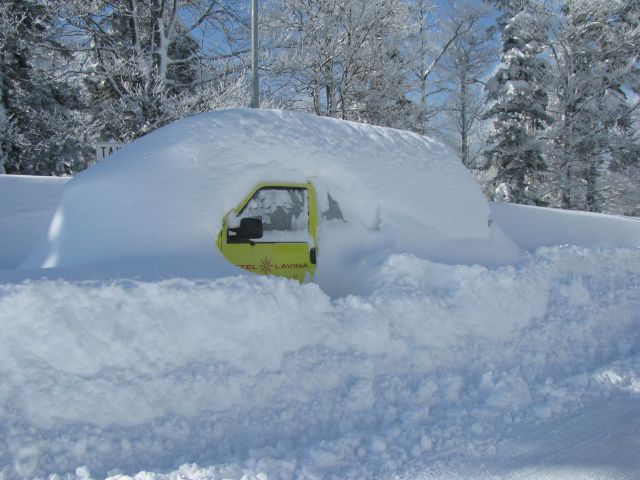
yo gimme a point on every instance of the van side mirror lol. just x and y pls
(249, 228)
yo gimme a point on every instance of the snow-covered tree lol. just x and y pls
(431, 34)
(147, 66)
(338, 58)
(620, 188)
(518, 100)
(38, 124)
(3, 128)
(464, 66)
(595, 53)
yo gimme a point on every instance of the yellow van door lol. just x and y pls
(273, 231)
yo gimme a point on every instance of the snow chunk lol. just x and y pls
(510, 393)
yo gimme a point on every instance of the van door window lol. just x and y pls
(284, 213)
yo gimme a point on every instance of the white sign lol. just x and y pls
(106, 149)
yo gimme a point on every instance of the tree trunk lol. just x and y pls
(315, 93)
(464, 121)
(422, 114)
(518, 187)
(329, 88)
(565, 188)
(591, 199)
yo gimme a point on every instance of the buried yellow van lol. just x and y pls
(274, 231)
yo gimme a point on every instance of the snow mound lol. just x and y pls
(164, 195)
(533, 227)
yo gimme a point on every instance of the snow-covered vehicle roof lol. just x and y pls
(164, 195)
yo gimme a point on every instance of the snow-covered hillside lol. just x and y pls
(512, 353)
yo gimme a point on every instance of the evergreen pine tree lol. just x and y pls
(518, 102)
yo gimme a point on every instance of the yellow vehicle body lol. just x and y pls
(286, 242)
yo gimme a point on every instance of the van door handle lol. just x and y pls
(313, 255)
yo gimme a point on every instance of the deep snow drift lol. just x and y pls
(471, 369)
(440, 368)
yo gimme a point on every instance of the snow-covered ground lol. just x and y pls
(429, 348)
